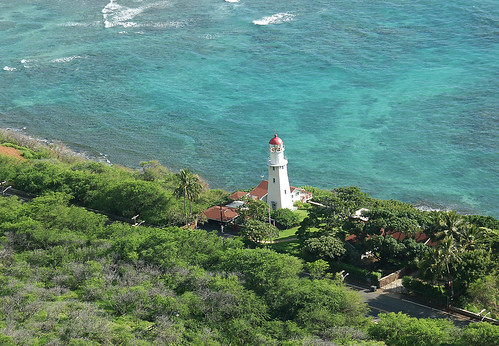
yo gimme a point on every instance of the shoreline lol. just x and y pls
(67, 154)
(61, 149)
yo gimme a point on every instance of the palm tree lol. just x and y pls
(189, 187)
(473, 236)
(450, 224)
(448, 253)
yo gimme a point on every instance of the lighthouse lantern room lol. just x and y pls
(279, 193)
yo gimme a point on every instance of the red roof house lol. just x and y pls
(237, 195)
(220, 213)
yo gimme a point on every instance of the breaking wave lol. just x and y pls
(277, 18)
(115, 14)
(66, 59)
(25, 63)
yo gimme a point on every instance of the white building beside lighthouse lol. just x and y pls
(276, 191)
(279, 192)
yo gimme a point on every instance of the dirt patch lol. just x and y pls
(13, 152)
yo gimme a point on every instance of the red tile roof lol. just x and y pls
(213, 213)
(261, 190)
(238, 194)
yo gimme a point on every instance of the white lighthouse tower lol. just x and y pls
(279, 193)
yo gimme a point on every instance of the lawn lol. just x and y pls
(289, 234)
(292, 247)
(302, 214)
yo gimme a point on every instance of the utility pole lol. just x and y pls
(221, 218)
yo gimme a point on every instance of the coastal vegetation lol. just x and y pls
(453, 256)
(70, 275)
(154, 193)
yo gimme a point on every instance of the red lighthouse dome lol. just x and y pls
(275, 140)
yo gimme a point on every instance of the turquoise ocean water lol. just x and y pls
(400, 97)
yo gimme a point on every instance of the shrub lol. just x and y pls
(285, 218)
(431, 292)
(400, 329)
(482, 333)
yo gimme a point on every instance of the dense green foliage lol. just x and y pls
(285, 218)
(67, 277)
(399, 329)
(70, 276)
(253, 209)
(324, 247)
(388, 235)
(257, 231)
(148, 193)
(433, 293)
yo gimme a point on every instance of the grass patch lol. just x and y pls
(302, 214)
(290, 247)
(288, 233)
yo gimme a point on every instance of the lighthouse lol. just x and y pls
(279, 192)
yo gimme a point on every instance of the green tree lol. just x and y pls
(484, 293)
(441, 262)
(257, 231)
(413, 252)
(11, 209)
(317, 269)
(128, 198)
(326, 247)
(316, 305)
(253, 209)
(154, 171)
(479, 334)
(189, 187)
(385, 248)
(285, 218)
(473, 265)
(261, 269)
(449, 254)
(400, 329)
(449, 224)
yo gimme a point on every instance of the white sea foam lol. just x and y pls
(173, 24)
(66, 59)
(427, 206)
(231, 0)
(10, 69)
(25, 63)
(115, 14)
(277, 18)
(211, 36)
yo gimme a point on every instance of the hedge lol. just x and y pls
(433, 293)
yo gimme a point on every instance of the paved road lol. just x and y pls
(382, 301)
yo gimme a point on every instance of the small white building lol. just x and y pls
(261, 192)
